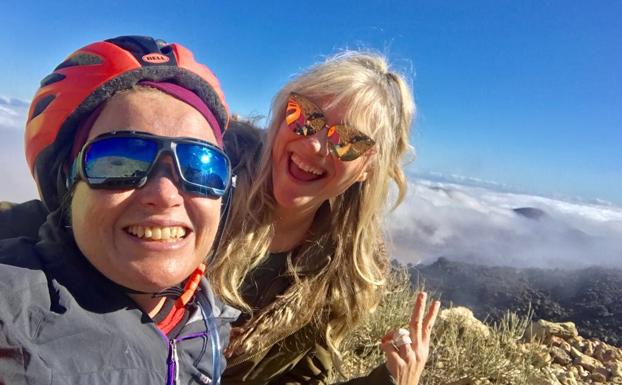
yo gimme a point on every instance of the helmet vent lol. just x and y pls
(41, 105)
(144, 46)
(51, 78)
(81, 59)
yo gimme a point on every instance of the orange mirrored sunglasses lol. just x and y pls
(305, 118)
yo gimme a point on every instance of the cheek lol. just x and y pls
(94, 213)
(282, 137)
(205, 216)
(348, 172)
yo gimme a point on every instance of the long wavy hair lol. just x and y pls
(338, 272)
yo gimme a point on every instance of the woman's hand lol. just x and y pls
(405, 357)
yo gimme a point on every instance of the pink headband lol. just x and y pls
(172, 89)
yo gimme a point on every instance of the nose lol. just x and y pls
(319, 142)
(162, 187)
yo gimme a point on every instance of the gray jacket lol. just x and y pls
(62, 322)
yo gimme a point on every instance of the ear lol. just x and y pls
(362, 177)
(368, 163)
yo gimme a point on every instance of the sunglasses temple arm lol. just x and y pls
(224, 218)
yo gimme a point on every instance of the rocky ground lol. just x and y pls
(591, 298)
(563, 357)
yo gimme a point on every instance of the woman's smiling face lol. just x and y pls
(305, 173)
(118, 230)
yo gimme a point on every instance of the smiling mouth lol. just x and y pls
(157, 233)
(303, 171)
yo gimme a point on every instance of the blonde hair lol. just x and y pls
(338, 272)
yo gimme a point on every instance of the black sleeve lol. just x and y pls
(315, 366)
(21, 219)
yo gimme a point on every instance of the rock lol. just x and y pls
(545, 330)
(567, 378)
(466, 318)
(542, 359)
(548, 378)
(600, 375)
(557, 341)
(587, 362)
(574, 352)
(616, 369)
(560, 356)
(582, 372)
(576, 342)
(530, 212)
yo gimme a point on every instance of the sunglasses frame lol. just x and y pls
(166, 145)
(309, 130)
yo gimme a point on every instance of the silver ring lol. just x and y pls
(401, 337)
(402, 340)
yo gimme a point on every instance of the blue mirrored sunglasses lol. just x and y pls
(125, 159)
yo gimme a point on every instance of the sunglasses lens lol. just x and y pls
(303, 117)
(295, 117)
(347, 143)
(119, 158)
(205, 169)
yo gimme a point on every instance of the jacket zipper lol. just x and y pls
(173, 357)
(172, 363)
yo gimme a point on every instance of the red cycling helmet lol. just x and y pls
(89, 77)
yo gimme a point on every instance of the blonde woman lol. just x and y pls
(304, 254)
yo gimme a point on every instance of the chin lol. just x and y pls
(288, 201)
(155, 286)
(156, 278)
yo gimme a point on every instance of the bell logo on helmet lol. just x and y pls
(155, 58)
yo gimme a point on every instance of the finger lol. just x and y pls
(388, 337)
(416, 319)
(406, 352)
(394, 361)
(430, 320)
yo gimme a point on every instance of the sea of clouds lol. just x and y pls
(16, 184)
(483, 224)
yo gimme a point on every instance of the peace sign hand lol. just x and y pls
(406, 357)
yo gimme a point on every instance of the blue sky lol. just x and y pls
(523, 93)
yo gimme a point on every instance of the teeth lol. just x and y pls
(305, 167)
(157, 233)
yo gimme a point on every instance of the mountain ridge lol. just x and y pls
(590, 297)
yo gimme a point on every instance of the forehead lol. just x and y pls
(345, 112)
(153, 112)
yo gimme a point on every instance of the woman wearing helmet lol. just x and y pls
(304, 253)
(124, 140)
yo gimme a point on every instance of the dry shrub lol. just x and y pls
(458, 354)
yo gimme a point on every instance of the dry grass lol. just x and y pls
(459, 354)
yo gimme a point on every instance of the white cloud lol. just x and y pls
(12, 113)
(16, 184)
(480, 224)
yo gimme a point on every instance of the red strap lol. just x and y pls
(177, 312)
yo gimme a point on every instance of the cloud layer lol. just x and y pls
(483, 225)
(12, 114)
(16, 183)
